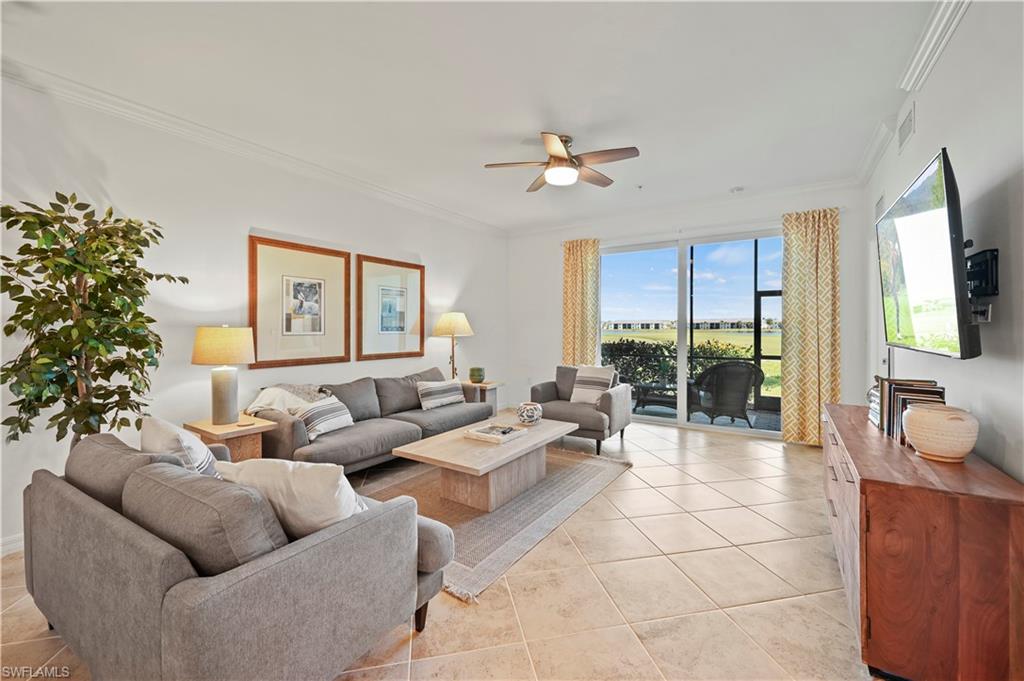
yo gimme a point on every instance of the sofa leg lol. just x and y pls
(421, 617)
(598, 447)
(49, 626)
(622, 434)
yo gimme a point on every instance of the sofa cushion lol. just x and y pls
(400, 394)
(565, 379)
(306, 497)
(591, 383)
(361, 441)
(442, 419)
(219, 525)
(434, 394)
(100, 464)
(586, 416)
(157, 435)
(359, 396)
(324, 416)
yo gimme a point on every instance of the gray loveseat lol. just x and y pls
(135, 607)
(609, 416)
(387, 414)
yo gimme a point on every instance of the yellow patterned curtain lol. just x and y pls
(810, 310)
(581, 301)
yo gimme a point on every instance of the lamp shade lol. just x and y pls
(453, 324)
(218, 345)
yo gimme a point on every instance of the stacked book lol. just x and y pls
(875, 405)
(893, 397)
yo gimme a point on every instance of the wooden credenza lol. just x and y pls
(931, 554)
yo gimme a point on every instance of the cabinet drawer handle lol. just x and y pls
(832, 439)
(846, 471)
(832, 473)
(832, 508)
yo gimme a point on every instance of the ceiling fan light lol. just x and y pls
(561, 176)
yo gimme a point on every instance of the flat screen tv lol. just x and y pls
(923, 269)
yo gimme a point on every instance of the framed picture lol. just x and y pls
(389, 308)
(299, 302)
(303, 303)
(392, 309)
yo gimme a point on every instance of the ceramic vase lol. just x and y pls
(939, 432)
(476, 374)
(529, 413)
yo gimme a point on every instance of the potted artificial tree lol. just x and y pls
(78, 289)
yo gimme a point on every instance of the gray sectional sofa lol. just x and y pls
(387, 414)
(148, 571)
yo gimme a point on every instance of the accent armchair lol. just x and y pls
(723, 390)
(600, 421)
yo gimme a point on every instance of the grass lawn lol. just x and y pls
(771, 345)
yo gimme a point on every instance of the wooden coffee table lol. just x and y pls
(485, 475)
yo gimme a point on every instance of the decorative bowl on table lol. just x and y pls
(476, 374)
(939, 432)
(529, 413)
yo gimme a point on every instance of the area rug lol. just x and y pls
(487, 544)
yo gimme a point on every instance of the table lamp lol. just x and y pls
(453, 324)
(221, 346)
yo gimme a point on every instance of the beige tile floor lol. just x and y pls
(709, 559)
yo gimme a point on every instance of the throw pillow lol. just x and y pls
(591, 383)
(305, 496)
(435, 394)
(158, 435)
(323, 416)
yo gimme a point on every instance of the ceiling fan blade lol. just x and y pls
(537, 184)
(607, 155)
(517, 164)
(554, 145)
(593, 177)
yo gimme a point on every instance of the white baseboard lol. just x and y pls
(11, 544)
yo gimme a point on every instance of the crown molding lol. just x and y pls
(683, 207)
(74, 92)
(937, 32)
(873, 152)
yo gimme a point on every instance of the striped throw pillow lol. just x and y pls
(439, 393)
(591, 383)
(324, 416)
(157, 435)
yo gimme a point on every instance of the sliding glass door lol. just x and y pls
(734, 333)
(711, 355)
(639, 324)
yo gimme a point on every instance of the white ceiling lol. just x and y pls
(417, 97)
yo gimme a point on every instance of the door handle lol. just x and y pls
(832, 508)
(832, 439)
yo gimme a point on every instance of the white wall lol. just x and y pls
(207, 201)
(535, 277)
(971, 104)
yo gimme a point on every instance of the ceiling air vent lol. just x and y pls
(879, 206)
(907, 127)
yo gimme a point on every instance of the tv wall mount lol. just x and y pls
(982, 281)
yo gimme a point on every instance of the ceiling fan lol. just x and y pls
(563, 168)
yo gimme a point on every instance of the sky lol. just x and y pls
(645, 284)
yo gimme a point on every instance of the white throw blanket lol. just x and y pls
(277, 398)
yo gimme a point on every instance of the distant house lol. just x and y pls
(639, 325)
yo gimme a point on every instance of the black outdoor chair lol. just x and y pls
(723, 390)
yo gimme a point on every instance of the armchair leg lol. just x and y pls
(421, 617)
(598, 447)
(622, 434)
